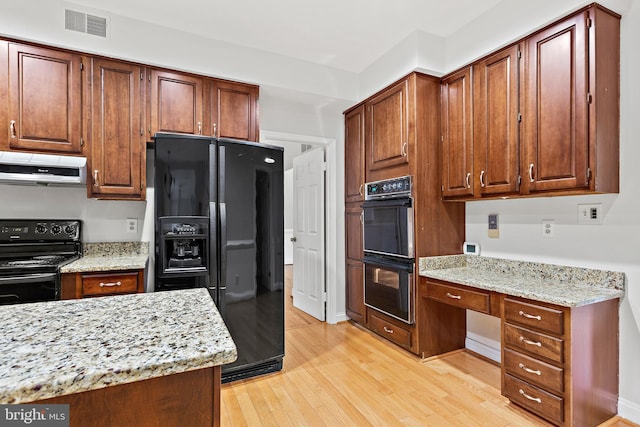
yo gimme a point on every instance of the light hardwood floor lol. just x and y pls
(343, 375)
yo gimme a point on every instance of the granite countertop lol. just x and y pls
(110, 256)
(556, 284)
(56, 348)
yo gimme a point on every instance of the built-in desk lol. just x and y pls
(559, 329)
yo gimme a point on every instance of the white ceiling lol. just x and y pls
(344, 34)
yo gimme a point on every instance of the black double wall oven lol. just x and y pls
(388, 237)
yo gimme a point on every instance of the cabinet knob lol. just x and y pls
(293, 239)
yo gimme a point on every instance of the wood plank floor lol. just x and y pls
(343, 375)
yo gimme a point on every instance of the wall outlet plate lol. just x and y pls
(548, 228)
(132, 225)
(590, 214)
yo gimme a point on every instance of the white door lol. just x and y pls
(308, 233)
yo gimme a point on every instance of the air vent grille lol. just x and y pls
(85, 23)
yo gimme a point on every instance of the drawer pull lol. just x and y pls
(526, 341)
(110, 284)
(453, 296)
(387, 330)
(535, 399)
(529, 316)
(531, 371)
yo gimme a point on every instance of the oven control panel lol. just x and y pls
(388, 188)
(39, 230)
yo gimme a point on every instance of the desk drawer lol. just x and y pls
(546, 405)
(534, 371)
(389, 330)
(535, 316)
(459, 297)
(109, 283)
(533, 343)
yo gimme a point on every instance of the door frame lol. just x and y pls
(332, 268)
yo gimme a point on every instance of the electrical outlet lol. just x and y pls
(132, 225)
(548, 228)
(590, 214)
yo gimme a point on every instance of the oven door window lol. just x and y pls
(388, 227)
(28, 288)
(388, 288)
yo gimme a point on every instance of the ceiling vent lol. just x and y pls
(85, 23)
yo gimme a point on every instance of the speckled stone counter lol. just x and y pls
(62, 347)
(110, 256)
(555, 284)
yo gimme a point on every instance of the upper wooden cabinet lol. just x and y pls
(175, 103)
(495, 123)
(354, 164)
(114, 98)
(44, 100)
(233, 110)
(457, 134)
(387, 127)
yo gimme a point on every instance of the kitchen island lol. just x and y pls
(139, 359)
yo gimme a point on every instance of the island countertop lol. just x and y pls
(61, 347)
(556, 284)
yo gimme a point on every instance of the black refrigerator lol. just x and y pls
(219, 224)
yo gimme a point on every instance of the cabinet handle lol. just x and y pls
(362, 218)
(531, 172)
(12, 128)
(526, 341)
(387, 330)
(215, 128)
(95, 178)
(531, 371)
(360, 190)
(535, 399)
(468, 180)
(453, 296)
(199, 128)
(482, 179)
(110, 284)
(404, 149)
(529, 316)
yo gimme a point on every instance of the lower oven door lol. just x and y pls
(389, 286)
(18, 289)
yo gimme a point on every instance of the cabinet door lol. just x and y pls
(556, 78)
(354, 267)
(44, 99)
(457, 135)
(176, 103)
(354, 173)
(117, 136)
(495, 123)
(234, 110)
(388, 128)
(4, 95)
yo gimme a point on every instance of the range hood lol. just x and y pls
(25, 168)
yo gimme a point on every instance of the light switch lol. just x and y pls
(494, 232)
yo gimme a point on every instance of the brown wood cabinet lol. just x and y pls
(114, 96)
(175, 103)
(354, 164)
(354, 267)
(4, 93)
(232, 110)
(44, 100)
(93, 284)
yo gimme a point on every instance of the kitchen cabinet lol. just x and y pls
(571, 99)
(457, 134)
(114, 97)
(232, 110)
(354, 266)
(44, 100)
(496, 123)
(100, 283)
(4, 95)
(175, 103)
(387, 130)
(354, 173)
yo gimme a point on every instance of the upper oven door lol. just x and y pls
(388, 227)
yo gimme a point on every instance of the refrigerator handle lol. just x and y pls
(222, 288)
(213, 252)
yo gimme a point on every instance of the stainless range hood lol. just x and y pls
(25, 168)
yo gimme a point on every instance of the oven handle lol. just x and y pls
(28, 278)
(386, 263)
(404, 201)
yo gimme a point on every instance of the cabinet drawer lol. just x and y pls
(533, 315)
(464, 298)
(533, 343)
(546, 405)
(389, 330)
(534, 371)
(106, 284)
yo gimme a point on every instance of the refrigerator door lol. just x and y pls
(250, 192)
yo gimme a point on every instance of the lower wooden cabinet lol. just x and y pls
(94, 284)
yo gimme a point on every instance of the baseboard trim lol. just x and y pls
(629, 410)
(483, 346)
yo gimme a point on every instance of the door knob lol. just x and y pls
(293, 239)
